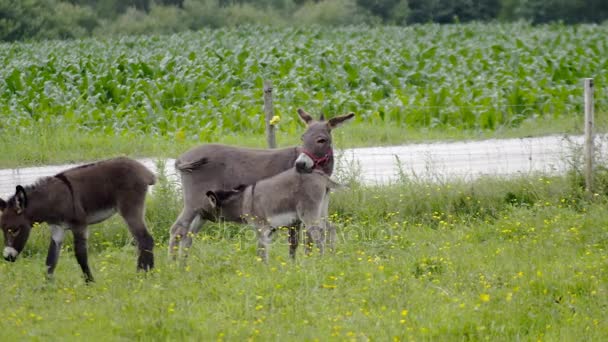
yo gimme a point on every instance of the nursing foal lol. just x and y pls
(283, 200)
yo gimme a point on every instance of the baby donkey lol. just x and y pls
(74, 199)
(284, 200)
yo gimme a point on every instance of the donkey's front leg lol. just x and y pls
(57, 237)
(178, 231)
(314, 234)
(329, 229)
(186, 242)
(263, 232)
(80, 248)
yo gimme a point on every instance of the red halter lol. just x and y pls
(319, 162)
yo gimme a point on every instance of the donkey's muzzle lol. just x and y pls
(10, 254)
(302, 167)
(304, 164)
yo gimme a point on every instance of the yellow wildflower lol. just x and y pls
(275, 120)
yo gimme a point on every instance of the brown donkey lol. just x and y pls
(281, 200)
(75, 198)
(211, 167)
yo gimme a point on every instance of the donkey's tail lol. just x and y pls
(335, 185)
(331, 184)
(188, 167)
(150, 178)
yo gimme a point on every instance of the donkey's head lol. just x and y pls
(316, 141)
(221, 198)
(15, 224)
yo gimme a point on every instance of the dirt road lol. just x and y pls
(435, 161)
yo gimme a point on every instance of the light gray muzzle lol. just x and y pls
(304, 164)
(10, 254)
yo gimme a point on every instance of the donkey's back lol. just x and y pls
(120, 172)
(224, 163)
(105, 182)
(289, 192)
(215, 166)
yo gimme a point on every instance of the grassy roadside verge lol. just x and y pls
(503, 260)
(44, 144)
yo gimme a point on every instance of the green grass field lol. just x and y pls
(495, 260)
(158, 95)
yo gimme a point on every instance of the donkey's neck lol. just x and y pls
(328, 168)
(45, 200)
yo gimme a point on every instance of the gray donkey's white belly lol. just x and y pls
(100, 215)
(283, 219)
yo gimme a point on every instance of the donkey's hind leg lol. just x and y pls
(179, 229)
(132, 211)
(193, 229)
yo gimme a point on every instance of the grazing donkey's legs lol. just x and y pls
(310, 215)
(180, 229)
(263, 232)
(134, 217)
(57, 236)
(314, 234)
(329, 229)
(186, 241)
(80, 248)
(294, 240)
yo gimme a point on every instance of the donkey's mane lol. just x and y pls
(39, 182)
(31, 187)
(84, 166)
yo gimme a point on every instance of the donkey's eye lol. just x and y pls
(321, 141)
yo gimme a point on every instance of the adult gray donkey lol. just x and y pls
(212, 166)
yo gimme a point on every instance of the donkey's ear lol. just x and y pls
(307, 118)
(212, 199)
(2, 205)
(20, 199)
(339, 120)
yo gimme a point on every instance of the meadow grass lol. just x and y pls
(500, 260)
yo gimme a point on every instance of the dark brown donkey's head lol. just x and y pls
(15, 224)
(317, 144)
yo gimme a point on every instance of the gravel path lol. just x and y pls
(435, 161)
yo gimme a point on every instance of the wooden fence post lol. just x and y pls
(588, 85)
(270, 135)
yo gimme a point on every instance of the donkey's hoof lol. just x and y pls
(145, 262)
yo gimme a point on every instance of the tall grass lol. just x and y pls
(519, 259)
